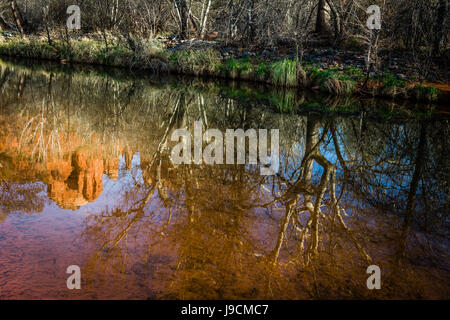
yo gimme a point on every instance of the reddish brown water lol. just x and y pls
(85, 180)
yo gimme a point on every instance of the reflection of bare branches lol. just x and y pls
(337, 212)
(313, 207)
(138, 214)
(137, 210)
(412, 194)
(41, 138)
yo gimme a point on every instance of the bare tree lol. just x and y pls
(322, 25)
(16, 13)
(440, 25)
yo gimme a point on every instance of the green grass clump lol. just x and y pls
(261, 70)
(245, 64)
(284, 73)
(427, 93)
(115, 55)
(242, 68)
(196, 62)
(232, 64)
(390, 81)
(29, 49)
(332, 82)
(319, 76)
(391, 86)
(353, 71)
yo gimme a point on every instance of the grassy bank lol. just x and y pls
(151, 55)
(273, 99)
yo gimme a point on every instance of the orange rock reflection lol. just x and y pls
(75, 182)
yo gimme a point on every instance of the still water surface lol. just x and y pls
(85, 179)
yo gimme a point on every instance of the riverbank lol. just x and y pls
(205, 59)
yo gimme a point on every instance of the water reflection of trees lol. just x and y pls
(225, 231)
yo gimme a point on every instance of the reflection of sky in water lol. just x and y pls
(127, 180)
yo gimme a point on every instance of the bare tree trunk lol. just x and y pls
(16, 16)
(312, 141)
(49, 38)
(183, 16)
(336, 20)
(47, 27)
(184, 20)
(204, 17)
(411, 202)
(440, 25)
(321, 21)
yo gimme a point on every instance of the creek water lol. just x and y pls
(86, 179)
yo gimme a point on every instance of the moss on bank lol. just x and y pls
(150, 55)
